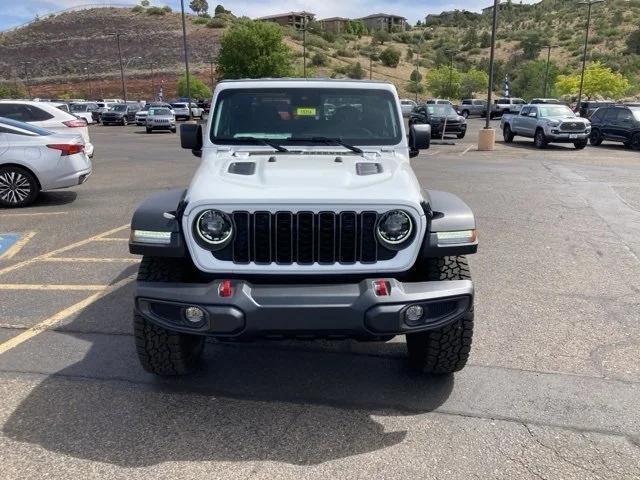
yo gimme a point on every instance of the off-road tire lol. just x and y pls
(595, 138)
(444, 350)
(580, 145)
(161, 351)
(507, 134)
(540, 139)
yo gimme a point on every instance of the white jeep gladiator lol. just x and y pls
(304, 220)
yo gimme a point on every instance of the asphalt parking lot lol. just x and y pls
(552, 390)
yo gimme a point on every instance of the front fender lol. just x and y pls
(449, 213)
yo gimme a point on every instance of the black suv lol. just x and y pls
(441, 117)
(618, 123)
(120, 113)
(588, 107)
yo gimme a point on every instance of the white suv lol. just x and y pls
(304, 220)
(47, 116)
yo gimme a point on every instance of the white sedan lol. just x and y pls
(47, 116)
(33, 159)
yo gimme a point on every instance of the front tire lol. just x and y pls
(580, 145)
(540, 140)
(595, 138)
(465, 113)
(635, 142)
(124, 121)
(461, 135)
(444, 350)
(161, 351)
(18, 187)
(507, 134)
(149, 130)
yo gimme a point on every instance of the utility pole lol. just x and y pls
(124, 87)
(153, 80)
(304, 45)
(86, 71)
(494, 27)
(186, 57)
(589, 3)
(546, 75)
(26, 77)
(211, 60)
(450, 89)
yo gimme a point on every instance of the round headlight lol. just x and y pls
(394, 228)
(215, 228)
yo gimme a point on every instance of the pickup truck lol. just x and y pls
(547, 123)
(506, 105)
(470, 107)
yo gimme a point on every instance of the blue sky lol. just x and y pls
(16, 12)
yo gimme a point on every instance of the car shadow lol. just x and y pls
(144, 132)
(529, 145)
(301, 404)
(55, 198)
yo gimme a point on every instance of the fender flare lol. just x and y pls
(449, 213)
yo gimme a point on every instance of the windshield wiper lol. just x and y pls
(268, 143)
(328, 140)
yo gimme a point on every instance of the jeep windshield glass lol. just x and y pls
(159, 111)
(636, 112)
(292, 115)
(556, 111)
(119, 108)
(440, 110)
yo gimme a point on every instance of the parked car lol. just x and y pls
(120, 114)
(60, 162)
(470, 107)
(160, 118)
(84, 110)
(407, 106)
(45, 115)
(181, 110)
(546, 124)
(587, 108)
(141, 115)
(618, 124)
(553, 101)
(112, 100)
(438, 101)
(506, 105)
(441, 117)
(303, 236)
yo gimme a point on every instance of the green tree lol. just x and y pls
(470, 38)
(320, 59)
(531, 45)
(200, 7)
(199, 89)
(144, 3)
(253, 50)
(390, 57)
(381, 36)
(485, 40)
(415, 87)
(415, 76)
(444, 82)
(598, 80)
(12, 90)
(633, 43)
(528, 81)
(474, 81)
(221, 10)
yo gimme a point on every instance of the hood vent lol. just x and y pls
(242, 168)
(364, 169)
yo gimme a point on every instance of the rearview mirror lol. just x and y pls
(191, 137)
(419, 139)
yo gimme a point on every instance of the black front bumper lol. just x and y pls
(326, 310)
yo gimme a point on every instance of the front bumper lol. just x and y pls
(307, 311)
(557, 136)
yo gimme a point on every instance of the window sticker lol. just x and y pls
(306, 111)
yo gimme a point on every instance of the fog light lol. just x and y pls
(194, 314)
(414, 314)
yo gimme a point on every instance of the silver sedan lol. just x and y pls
(33, 159)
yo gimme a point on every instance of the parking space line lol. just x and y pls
(112, 239)
(37, 286)
(58, 317)
(32, 214)
(466, 150)
(90, 260)
(44, 256)
(16, 247)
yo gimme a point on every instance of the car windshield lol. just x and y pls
(441, 110)
(159, 111)
(556, 111)
(356, 116)
(636, 112)
(119, 108)
(78, 108)
(24, 126)
(179, 105)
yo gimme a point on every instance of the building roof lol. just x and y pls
(376, 15)
(334, 19)
(288, 14)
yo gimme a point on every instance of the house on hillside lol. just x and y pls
(502, 6)
(384, 21)
(334, 24)
(290, 19)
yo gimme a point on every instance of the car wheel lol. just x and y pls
(465, 113)
(461, 135)
(539, 140)
(507, 134)
(18, 187)
(161, 351)
(149, 130)
(580, 145)
(443, 350)
(635, 142)
(595, 138)
(173, 130)
(124, 121)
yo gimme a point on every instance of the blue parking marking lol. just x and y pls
(7, 240)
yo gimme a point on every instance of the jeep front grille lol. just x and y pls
(304, 238)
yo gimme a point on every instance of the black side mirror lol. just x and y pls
(191, 137)
(419, 138)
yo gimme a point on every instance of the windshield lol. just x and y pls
(179, 105)
(78, 108)
(556, 111)
(441, 110)
(119, 108)
(24, 126)
(159, 111)
(356, 116)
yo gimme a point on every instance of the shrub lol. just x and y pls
(156, 11)
(138, 9)
(317, 41)
(320, 60)
(390, 57)
(344, 52)
(381, 36)
(216, 23)
(200, 21)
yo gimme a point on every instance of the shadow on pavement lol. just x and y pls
(249, 402)
(55, 198)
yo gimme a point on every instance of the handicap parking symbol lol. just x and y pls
(7, 240)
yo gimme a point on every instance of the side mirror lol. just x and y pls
(191, 137)
(419, 139)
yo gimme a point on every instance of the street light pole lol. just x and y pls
(124, 87)
(153, 80)
(211, 60)
(494, 27)
(86, 71)
(451, 54)
(304, 45)
(546, 75)
(589, 3)
(26, 76)
(186, 57)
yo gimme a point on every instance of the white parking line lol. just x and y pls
(33, 214)
(90, 260)
(56, 287)
(466, 150)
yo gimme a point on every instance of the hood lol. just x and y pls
(112, 113)
(312, 177)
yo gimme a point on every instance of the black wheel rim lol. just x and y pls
(15, 187)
